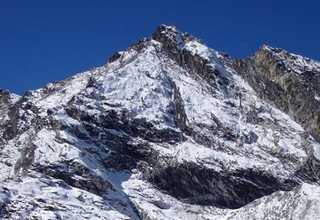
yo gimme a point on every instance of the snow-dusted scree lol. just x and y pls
(168, 129)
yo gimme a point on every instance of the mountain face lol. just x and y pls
(168, 129)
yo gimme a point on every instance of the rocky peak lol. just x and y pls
(171, 37)
(168, 35)
(292, 62)
(290, 81)
(192, 54)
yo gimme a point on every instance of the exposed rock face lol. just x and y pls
(199, 185)
(290, 81)
(7, 100)
(168, 129)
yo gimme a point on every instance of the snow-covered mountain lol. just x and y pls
(168, 129)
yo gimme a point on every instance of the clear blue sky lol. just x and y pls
(43, 40)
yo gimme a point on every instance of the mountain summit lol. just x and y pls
(168, 129)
